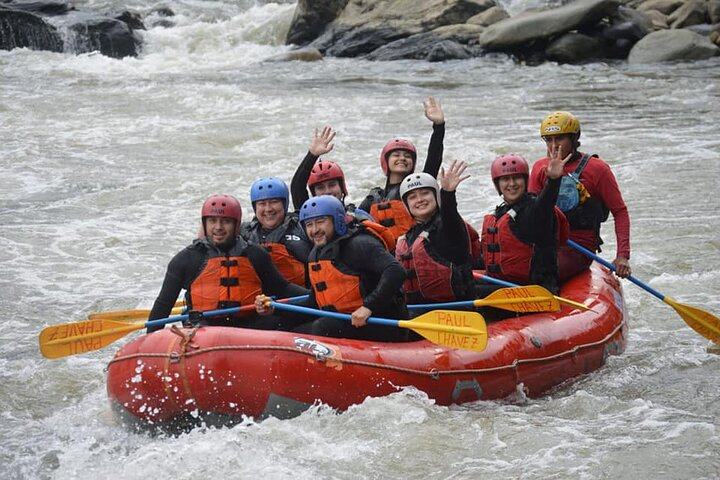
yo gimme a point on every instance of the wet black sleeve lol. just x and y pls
(273, 284)
(541, 218)
(452, 240)
(298, 184)
(435, 150)
(181, 271)
(366, 254)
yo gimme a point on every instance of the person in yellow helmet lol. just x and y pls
(588, 193)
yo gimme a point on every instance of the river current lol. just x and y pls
(105, 164)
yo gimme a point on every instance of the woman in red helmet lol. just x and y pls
(398, 159)
(519, 241)
(221, 270)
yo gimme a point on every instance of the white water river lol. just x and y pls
(105, 164)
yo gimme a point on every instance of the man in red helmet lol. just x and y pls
(221, 271)
(588, 193)
(398, 159)
(519, 241)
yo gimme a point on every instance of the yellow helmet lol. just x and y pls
(559, 123)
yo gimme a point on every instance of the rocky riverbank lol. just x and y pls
(57, 26)
(579, 31)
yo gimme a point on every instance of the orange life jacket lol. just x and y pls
(225, 282)
(393, 215)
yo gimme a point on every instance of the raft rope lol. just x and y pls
(433, 373)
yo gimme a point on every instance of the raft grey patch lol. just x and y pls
(536, 341)
(462, 385)
(283, 408)
(619, 302)
(318, 349)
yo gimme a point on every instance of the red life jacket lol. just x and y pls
(393, 215)
(428, 278)
(225, 282)
(506, 256)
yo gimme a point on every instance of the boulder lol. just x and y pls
(311, 18)
(531, 26)
(663, 6)
(714, 11)
(452, 42)
(489, 16)
(365, 26)
(20, 29)
(23, 24)
(574, 48)
(692, 12)
(672, 45)
(658, 19)
(300, 54)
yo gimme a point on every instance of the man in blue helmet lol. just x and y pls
(276, 229)
(350, 271)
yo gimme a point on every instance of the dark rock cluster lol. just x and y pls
(578, 31)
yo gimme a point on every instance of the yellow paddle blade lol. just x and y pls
(451, 328)
(80, 337)
(128, 315)
(530, 298)
(704, 323)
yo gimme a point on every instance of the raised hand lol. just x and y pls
(556, 164)
(322, 141)
(434, 111)
(450, 180)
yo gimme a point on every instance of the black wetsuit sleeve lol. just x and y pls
(435, 150)
(542, 215)
(181, 271)
(298, 184)
(451, 241)
(273, 283)
(369, 256)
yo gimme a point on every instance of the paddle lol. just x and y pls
(449, 328)
(128, 315)
(481, 276)
(79, 337)
(704, 323)
(531, 298)
(132, 315)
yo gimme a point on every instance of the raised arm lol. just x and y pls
(434, 113)
(320, 144)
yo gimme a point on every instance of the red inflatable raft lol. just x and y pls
(220, 374)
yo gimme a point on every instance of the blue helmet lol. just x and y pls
(268, 188)
(325, 206)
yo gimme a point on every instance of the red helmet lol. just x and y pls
(225, 206)
(396, 144)
(326, 170)
(508, 164)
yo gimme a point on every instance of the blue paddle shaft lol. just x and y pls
(209, 313)
(609, 265)
(342, 316)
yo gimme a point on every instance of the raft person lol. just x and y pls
(276, 229)
(322, 177)
(588, 192)
(436, 251)
(398, 159)
(519, 241)
(221, 270)
(350, 271)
